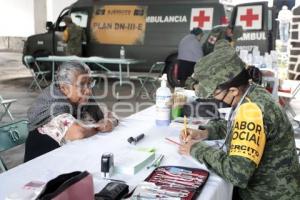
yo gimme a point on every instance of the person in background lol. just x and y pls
(74, 36)
(258, 154)
(284, 18)
(189, 52)
(222, 60)
(65, 111)
(229, 33)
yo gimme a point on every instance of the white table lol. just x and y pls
(85, 155)
(96, 60)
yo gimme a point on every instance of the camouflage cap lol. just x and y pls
(237, 32)
(221, 65)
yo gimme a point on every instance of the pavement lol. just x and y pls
(10, 63)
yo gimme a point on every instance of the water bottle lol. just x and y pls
(268, 60)
(163, 103)
(256, 57)
(122, 52)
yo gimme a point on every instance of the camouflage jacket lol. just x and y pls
(222, 61)
(74, 40)
(219, 33)
(216, 34)
(276, 174)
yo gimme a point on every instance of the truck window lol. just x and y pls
(60, 24)
(80, 18)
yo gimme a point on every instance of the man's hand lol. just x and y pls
(105, 125)
(193, 134)
(185, 148)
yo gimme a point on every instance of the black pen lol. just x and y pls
(134, 140)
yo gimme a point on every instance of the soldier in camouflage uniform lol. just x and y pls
(229, 33)
(74, 36)
(222, 60)
(260, 157)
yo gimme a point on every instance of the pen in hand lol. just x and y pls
(185, 128)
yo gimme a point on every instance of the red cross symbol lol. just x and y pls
(201, 18)
(223, 20)
(249, 17)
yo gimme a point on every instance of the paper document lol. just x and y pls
(130, 161)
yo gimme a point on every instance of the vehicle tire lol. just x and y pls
(172, 70)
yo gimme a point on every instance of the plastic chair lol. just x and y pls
(38, 75)
(6, 103)
(12, 135)
(151, 78)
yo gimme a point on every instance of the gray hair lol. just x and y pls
(68, 70)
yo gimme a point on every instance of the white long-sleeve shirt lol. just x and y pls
(190, 49)
(285, 16)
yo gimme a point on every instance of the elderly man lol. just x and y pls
(65, 111)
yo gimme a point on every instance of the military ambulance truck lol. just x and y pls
(148, 29)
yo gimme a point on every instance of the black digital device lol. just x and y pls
(113, 191)
(134, 140)
(107, 164)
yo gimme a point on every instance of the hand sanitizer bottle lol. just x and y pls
(163, 103)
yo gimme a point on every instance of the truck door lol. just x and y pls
(257, 23)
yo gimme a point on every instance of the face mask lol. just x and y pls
(228, 38)
(222, 104)
(208, 108)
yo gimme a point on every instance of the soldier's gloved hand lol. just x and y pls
(192, 134)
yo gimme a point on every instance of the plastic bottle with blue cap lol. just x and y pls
(163, 103)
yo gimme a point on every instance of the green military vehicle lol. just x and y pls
(151, 29)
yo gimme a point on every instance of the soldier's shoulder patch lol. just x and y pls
(248, 134)
(212, 39)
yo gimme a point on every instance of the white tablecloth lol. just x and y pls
(86, 154)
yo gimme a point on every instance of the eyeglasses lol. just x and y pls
(89, 85)
(83, 86)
